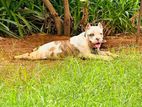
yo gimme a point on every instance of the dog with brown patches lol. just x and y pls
(80, 45)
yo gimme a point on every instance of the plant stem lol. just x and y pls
(139, 23)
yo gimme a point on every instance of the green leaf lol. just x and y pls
(6, 30)
(25, 21)
(18, 24)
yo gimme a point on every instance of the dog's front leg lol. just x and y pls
(107, 53)
(94, 56)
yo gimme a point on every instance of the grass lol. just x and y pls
(74, 82)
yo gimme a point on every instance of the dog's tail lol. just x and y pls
(33, 55)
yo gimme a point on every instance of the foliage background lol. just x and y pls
(22, 17)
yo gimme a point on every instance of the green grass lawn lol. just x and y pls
(74, 82)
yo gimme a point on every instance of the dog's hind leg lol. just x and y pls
(32, 56)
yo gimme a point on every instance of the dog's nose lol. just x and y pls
(97, 39)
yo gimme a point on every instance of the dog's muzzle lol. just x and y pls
(97, 45)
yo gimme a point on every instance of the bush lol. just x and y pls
(21, 17)
(115, 14)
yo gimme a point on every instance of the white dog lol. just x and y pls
(80, 45)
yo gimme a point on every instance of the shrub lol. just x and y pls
(115, 14)
(21, 17)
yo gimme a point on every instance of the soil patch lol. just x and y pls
(12, 47)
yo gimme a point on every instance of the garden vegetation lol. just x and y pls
(22, 17)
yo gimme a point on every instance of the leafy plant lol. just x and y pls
(21, 17)
(115, 14)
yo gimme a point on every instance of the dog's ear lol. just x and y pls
(87, 26)
(100, 25)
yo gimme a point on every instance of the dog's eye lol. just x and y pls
(101, 33)
(91, 34)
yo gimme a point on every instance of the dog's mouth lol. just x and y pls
(97, 45)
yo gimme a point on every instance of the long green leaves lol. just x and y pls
(115, 14)
(21, 17)
(6, 30)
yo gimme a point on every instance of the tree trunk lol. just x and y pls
(67, 22)
(84, 19)
(85, 16)
(139, 23)
(58, 21)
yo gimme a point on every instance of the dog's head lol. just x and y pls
(94, 35)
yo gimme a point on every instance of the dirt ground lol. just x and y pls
(11, 46)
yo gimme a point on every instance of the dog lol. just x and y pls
(80, 45)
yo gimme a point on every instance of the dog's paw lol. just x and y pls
(114, 55)
(107, 58)
(107, 53)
